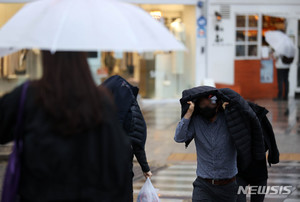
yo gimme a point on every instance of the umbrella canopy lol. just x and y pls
(281, 43)
(85, 25)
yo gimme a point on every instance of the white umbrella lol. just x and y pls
(281, 43)
(85, 25)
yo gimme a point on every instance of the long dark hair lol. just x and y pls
(68, 93)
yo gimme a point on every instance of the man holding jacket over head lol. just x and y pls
(227, 136)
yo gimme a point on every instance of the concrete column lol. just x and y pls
(292, 30)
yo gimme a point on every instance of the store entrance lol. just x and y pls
(159, 74)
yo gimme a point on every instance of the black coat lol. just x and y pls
(91, 166)
(124, 94)
(258, 171)
(241, 120)
(268, 133)
(130, 116)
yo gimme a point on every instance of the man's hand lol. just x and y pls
(148, 174)
(224, 105)
(190, 111)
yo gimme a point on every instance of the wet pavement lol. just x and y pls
(175, 182)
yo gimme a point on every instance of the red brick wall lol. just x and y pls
(236, 88)
(247, 77)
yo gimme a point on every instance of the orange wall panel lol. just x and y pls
(233, 87)
(247, 77)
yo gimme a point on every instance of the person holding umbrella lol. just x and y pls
(73, 150)
(283, 70)
(284, 55)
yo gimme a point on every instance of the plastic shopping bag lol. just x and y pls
(148, 193)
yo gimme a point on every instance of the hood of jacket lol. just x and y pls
(123, 92)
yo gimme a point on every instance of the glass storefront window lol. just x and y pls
(240, 21)
(252, 50)
(158, 74)
(253, 20)
(247, 31)
(270, 23)
(240, 36)
(240, 50)
(252, 35)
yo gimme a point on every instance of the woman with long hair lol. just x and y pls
(73, 147)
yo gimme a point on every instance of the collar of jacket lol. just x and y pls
(259, 110)
(123, 92)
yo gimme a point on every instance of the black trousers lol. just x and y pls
(283, 83)
(253, 197)
(205, 191)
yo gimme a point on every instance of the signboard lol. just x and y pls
(201, 22)
(201, 30)
(266, 71)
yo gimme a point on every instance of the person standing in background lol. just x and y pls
(110, 62)
(282, 78)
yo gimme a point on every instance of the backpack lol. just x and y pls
(287, 60)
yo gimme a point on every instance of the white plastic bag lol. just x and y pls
(148, 193)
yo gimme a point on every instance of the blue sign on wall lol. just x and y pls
(266, 71)
(201, 30)
(201, 21)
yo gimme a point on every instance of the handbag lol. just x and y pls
(11, 181)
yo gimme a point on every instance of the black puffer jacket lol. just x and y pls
(135, 127)
(258, 171)
(130, 116)
(242, 122)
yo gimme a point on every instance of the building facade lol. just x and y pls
(225, 44)
(237, 51)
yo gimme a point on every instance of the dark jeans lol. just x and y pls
(254, 197)
(205, 191)
(283, 83)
